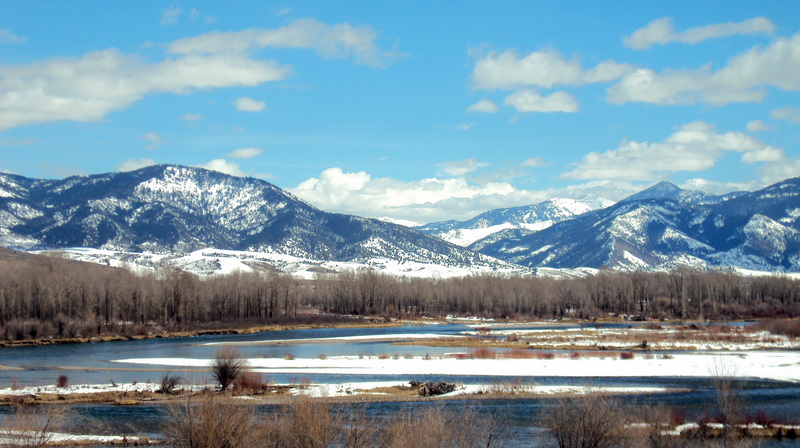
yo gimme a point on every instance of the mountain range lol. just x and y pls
(184, 209)
(665, 227)
(174, 211)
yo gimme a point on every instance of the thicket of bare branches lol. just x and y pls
(589, 421)
(52, 297)
(211, 422)
(218, 421)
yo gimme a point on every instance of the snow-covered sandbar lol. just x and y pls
(770, 365)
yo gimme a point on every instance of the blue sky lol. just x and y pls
(415, 110)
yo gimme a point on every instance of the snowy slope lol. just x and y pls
(520, 220)
(181, 210)
(665, 227)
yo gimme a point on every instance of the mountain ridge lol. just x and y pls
(184, 209)
(665, 227)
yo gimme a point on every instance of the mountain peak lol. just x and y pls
(661, 190)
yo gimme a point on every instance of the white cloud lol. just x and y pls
(758, 126)
(534, 162)
(154, 139)
(532, 101)
(485, 106)
(246, 104)
(422, 201)
(171, 15)
(547, 68)
(694, 147)
(331, 41)
(223, 166)
(766, 154)
(133, 165)
(434, 199)
(662, 32)
(194, 14)
(719, 188)
(191, 117)
(776, 172)
(744, 79)
(461, 167)
(283, 12)
(89, 88)
(791, 114)
(8, 37)
(246, 153)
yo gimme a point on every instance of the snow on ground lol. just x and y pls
(16, 438)
(465, 237)
(771, 365)
(666, 338)
(345, 389)
(209, 261)
(78, 389)
(367, 388)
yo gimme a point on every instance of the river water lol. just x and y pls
(92, 364)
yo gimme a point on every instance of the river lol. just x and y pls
(93, 363)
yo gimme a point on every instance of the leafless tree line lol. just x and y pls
(48, 296)
(52, 297)
(684, 294)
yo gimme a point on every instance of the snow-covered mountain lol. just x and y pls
(512, 222)
(181, 210)
(206, 222)
(665, 226)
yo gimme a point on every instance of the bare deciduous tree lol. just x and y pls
(226, 366)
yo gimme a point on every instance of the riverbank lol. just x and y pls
(361, 323)
(355, 392)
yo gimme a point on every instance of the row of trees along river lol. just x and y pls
(43, 296)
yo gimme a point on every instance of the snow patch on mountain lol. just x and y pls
(210, 262)
(529, 219)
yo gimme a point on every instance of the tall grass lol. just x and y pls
(218, 421)
(34, 426)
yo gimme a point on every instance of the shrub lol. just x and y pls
(484, 353)
(545, 355)
(785, 327)
(585, 421)
(651, 434)
(520, 353)
(211, 422)
(62, 381)
(169, 382)
(626, 355)
(437, 427)
(304, 423)
(226, 366)
(249, 380)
